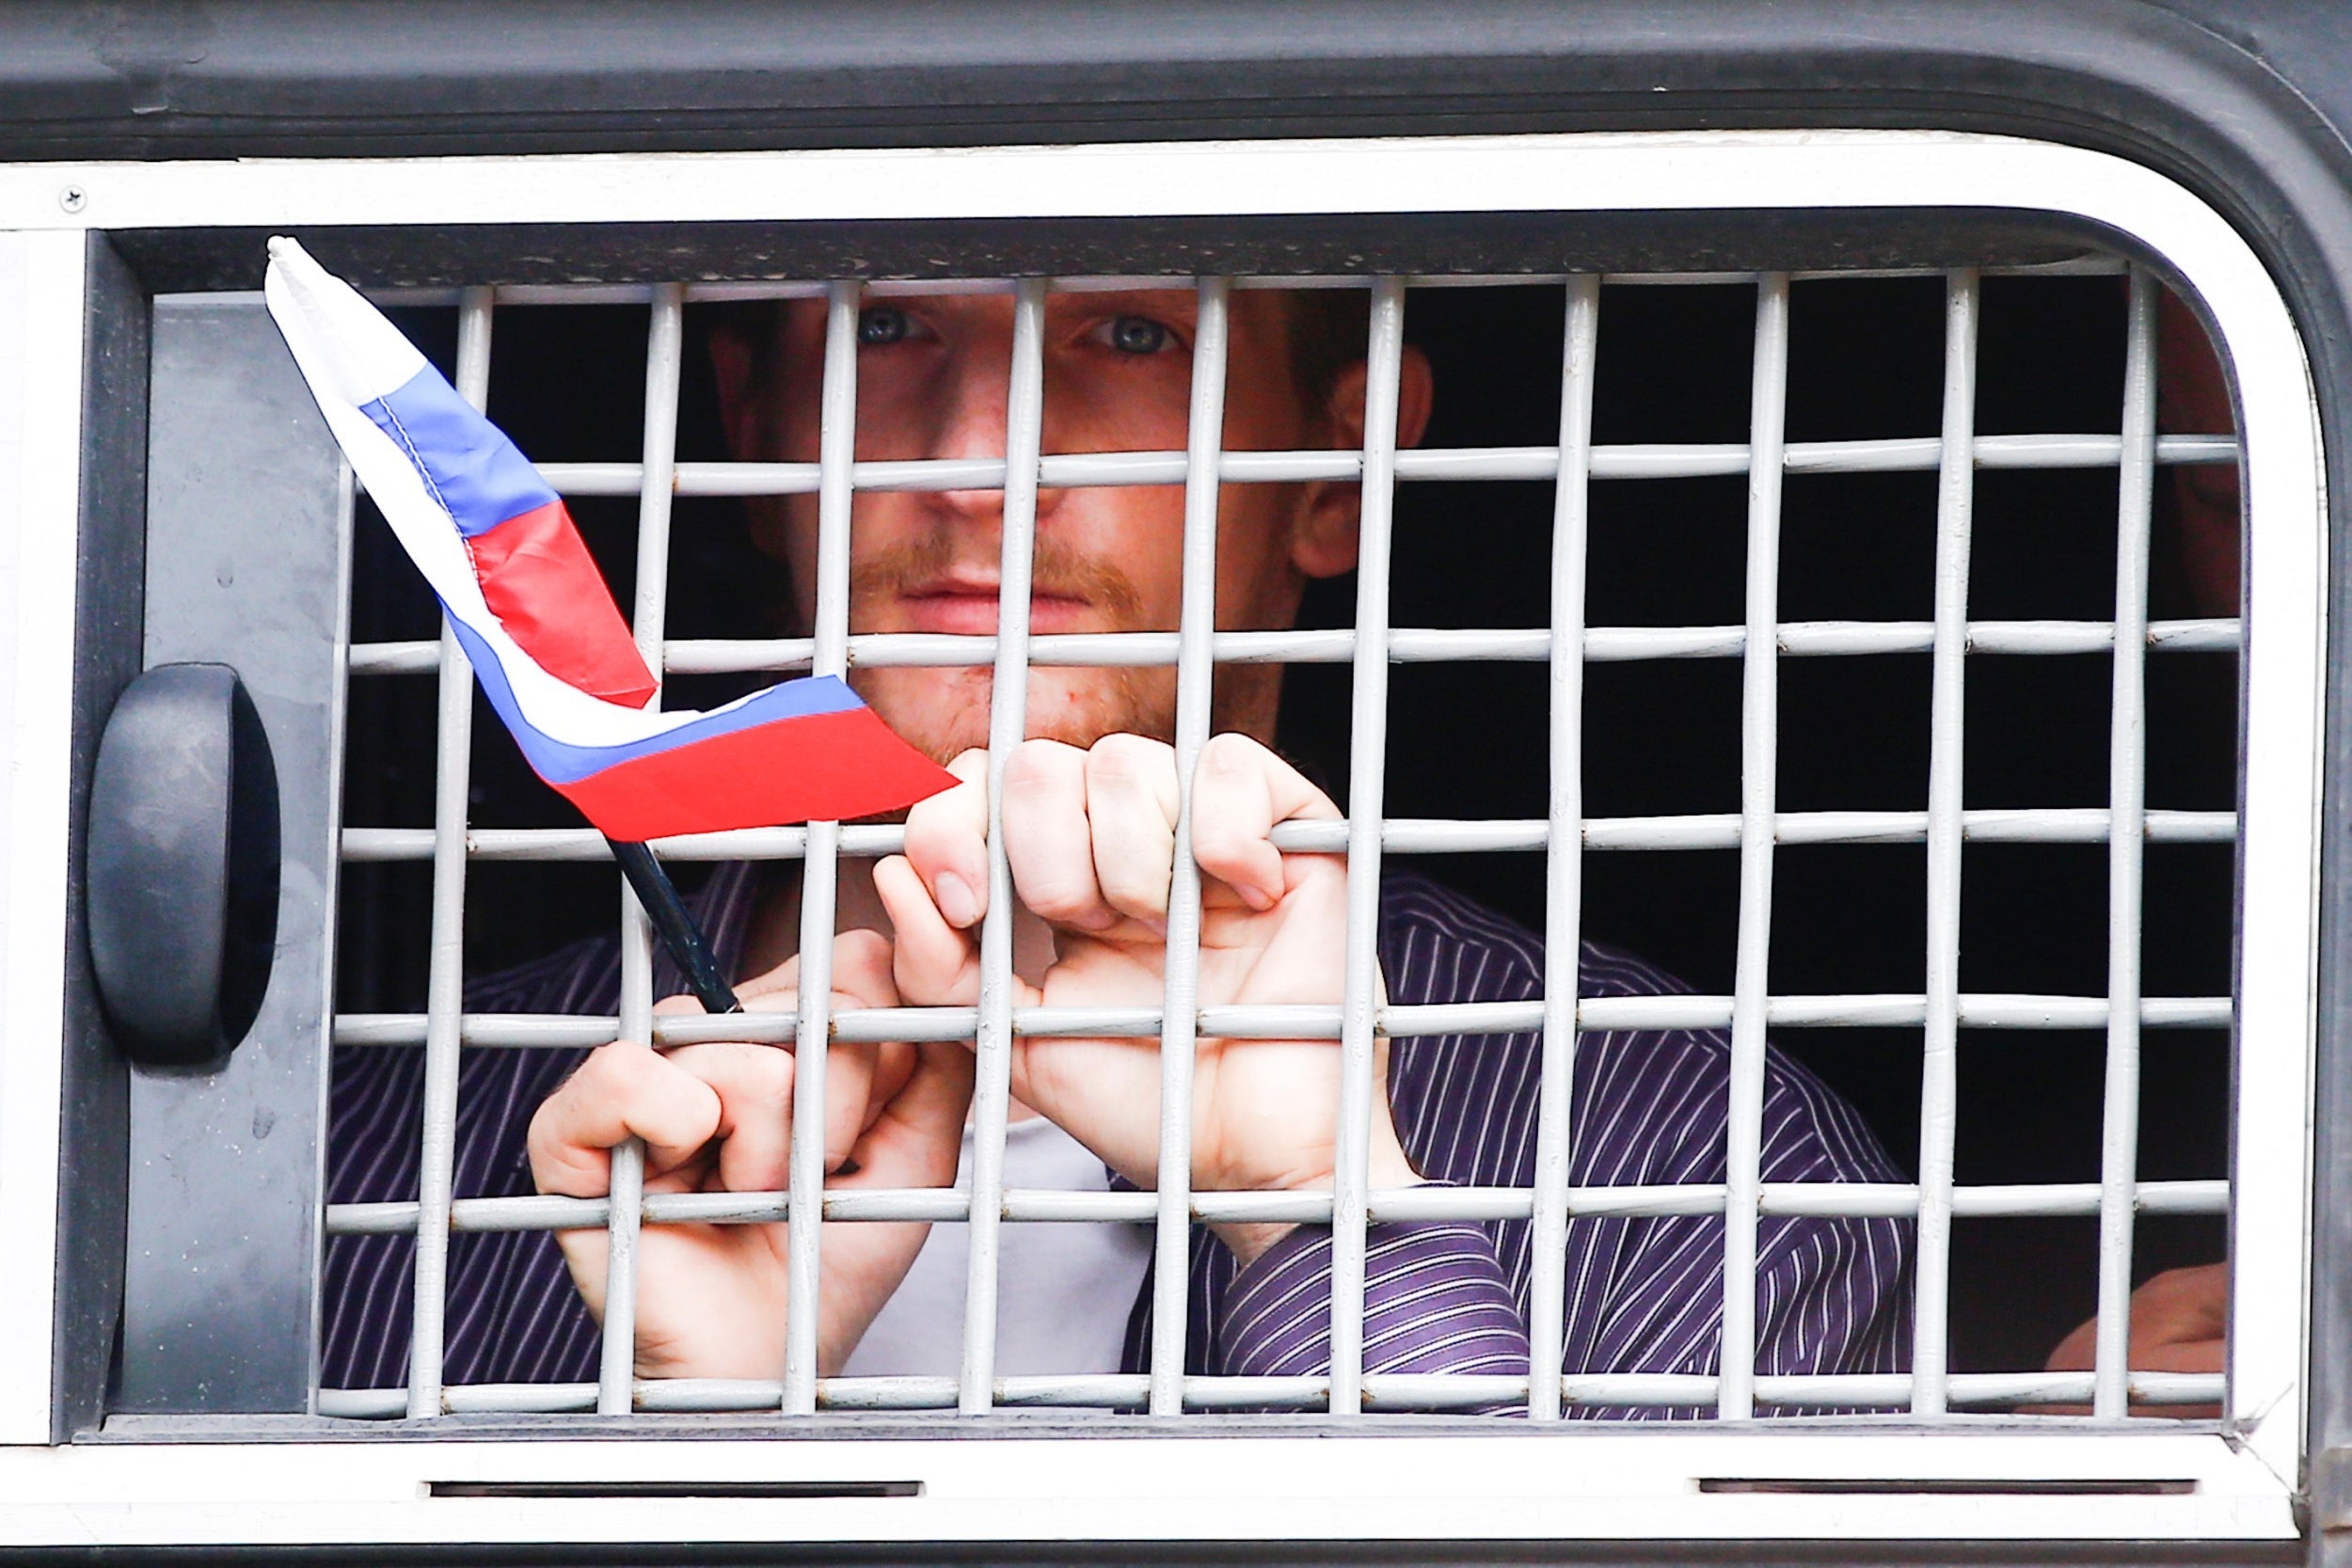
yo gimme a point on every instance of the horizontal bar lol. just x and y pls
(2060, 825)
(1891, 1010)
(1091, 471)
(1839, 1201)
(1383, 1391)
(1410, 645)
(1399, 835)
(555, 845)
(1892, 1389)
(1418, 645)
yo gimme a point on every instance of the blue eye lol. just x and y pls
(1138, 335)
(880, 324)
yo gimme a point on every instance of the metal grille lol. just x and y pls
(1572, 464)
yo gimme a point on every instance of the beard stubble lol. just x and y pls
(1074, 705)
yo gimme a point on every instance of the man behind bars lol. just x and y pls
(1088, 809)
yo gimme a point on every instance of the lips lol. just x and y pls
(969, 609)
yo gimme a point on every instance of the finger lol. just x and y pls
(894, 1067)
(1048, 842)
(946, 842)
(1240, 791)
(1131, 808)
(621, 1091)
(932, 963)
(848, 1079)
(753, 1086)
(783, 979)
(861, 970)
(674, 1006)
(918, 1137)
(860, 978)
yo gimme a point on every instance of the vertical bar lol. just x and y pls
(1196, 671)
(1939, 1075)
(445, 981)
(1008, 724)
(1759, 723)
(836, 447)
(616, 1371)
(1368, 746)
(1563, 855)
(2119, 1141)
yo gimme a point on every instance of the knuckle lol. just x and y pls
(1059, 897)
(1231, 754)
(933, 839)
(1124, 758)
(1041, 765)
(1141, 898)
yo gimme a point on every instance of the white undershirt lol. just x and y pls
(1063, 1292)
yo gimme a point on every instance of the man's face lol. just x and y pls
(933, 375)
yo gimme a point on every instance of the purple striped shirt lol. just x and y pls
(1644, 1294)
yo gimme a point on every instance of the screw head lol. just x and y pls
(73, 198)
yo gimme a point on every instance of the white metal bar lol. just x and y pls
(1563, 858)
(445, 981)
(1759, 726)
(2119, 1135)
(1939, 1077)
(1008, 724)
(1050, 1206)
(664, 350)
(1407, 645)
(1367, 738)
(1392, 1393)
(1629, 461)
(1978, 1011)
(837, 446)
(1196, 672)
(1398, 835)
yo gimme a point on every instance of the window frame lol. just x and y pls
(319, 1484)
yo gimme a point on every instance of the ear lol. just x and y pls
(1331, 516)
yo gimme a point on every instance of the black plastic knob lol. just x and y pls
(182, 865)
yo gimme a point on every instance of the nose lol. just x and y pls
(965, 419)
(970, 403)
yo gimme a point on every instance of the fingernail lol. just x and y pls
(1256, 898)
(956, 899)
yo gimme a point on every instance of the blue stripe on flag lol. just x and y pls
(560, 763)
(467, 462)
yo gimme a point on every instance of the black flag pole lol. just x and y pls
(689, 948)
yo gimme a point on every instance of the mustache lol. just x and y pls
(1056, 571)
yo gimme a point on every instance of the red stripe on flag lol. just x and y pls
(825, 766)
(540, 582)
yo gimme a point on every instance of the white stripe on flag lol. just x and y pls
(351, 354)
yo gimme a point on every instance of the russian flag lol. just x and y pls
(534, 615)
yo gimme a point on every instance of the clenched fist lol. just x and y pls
(1089, 837)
